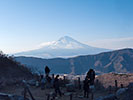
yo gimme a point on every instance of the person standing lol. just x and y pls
(91, 76)
(86, 87)
(57, 85)
(43, 81)
(47, 70)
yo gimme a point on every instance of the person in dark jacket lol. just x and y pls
(57, 85)
(91, 76)
(86, 87)
(47, 70)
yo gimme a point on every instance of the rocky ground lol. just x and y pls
(101, 89)
(39, 94)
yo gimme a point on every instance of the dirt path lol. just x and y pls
(39, 94)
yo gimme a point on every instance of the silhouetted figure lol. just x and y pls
(47, 70)
(48, 78)
(86, 87)
(52, 81)
(57, 85)
(91, 76)
(43, 81)
(48, 81)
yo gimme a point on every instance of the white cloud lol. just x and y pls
(116, 43)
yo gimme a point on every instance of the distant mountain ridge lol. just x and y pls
(120, 61)
(64, 47)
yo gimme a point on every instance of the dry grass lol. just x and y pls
(109, 79)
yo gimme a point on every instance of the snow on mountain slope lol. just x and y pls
(64, 47)
(64, 43)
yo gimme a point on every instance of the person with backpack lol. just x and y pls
(91, 76)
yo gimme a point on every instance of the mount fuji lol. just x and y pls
(64, 47)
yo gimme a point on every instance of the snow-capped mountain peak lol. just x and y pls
(64, 47)
(65, 42)
(66, 39)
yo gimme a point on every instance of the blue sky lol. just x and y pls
(25, 24)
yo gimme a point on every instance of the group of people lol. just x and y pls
(88, 83)
(52, 82)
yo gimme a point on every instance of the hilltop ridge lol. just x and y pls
(120, 61)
